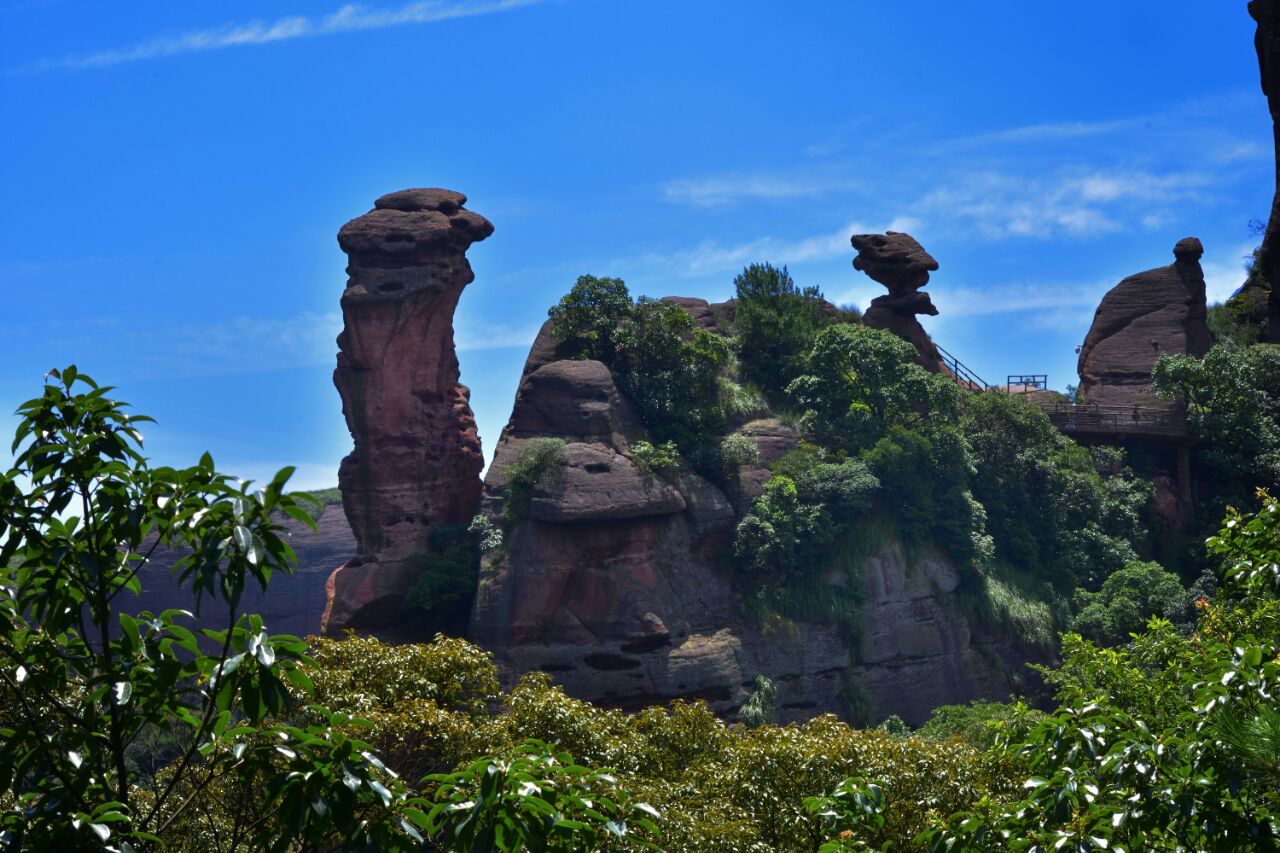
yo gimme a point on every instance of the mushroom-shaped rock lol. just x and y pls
(901, 264)
(416, 461)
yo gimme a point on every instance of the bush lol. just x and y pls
(656, 459)
(1128, 598)
(80, 512)
(775, 323)
(737, 450)
(441, 597)
(535, 459)
(781, 536)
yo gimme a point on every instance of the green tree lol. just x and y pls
(84, 683)
(1128, 599)
(774, 323)
(1167, 743)
(590, 313)
(1233, 401)
(670, 369)
(859, 381)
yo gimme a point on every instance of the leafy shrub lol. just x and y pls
(781, 536)
(1167, 743)
(536, 799)
(737, 450)
(741, 403)
(980, 723)
(760, 705)
(775, 323)
(441, 597)
(80, 511)
(535, 458)
(656, 459)
(1128, 598)
(488, 535)
(670, 369)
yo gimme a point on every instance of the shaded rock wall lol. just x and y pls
(416, 461)
(1143, 317)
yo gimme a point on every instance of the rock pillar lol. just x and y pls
(416, 462)
(1143, 317)
(901, 264)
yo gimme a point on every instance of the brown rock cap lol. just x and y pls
(893, 259)
(410, 227)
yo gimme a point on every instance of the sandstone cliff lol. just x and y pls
(613, 579)
(416, 461)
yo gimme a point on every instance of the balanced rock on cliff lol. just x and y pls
(416, 461)
(1143, 317)
(901, 264)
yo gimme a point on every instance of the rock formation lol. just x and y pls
(901, 264)
(1146, 315)
(1267, 42)
(417, 460)
(613, 581)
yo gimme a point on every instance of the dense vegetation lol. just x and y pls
(136, 733)
(888, 450)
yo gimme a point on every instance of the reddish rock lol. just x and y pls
(417, 460)
(902, 265)
(1267, 43)
(1141, 318)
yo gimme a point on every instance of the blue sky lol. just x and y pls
(174, 174)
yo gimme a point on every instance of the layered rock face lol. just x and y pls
(901, 264)
(1146, 315)
(416, 461)
(1267, 42)
(613, 579)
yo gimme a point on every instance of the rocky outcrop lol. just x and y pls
(1141, 318)
(613, 578)
(901, 264)
(416, 461)
(1267, 42)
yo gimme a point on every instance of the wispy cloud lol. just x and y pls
(1078, 204)
(480, 336)
(711, 192)
(1052, 131)
(349, 18)
(711, 257)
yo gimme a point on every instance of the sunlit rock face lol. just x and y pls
(416, 462)
(902, 265)
(1143, 317)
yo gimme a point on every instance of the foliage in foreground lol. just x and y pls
(88, 692)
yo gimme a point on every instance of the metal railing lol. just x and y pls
(964, 374)
(1039, 381)
(1115, 420)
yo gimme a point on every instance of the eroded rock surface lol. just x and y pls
(416, 461)
(614, 582)
(1267, 42)
(1141, 318)
(902, 265)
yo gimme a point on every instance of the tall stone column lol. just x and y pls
(1267, 43)
(416, 462)
(901, 264)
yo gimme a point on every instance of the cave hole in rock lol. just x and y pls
(610, 662)
(648, 644)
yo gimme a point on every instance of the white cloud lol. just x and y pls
(711, 257)
(349, 18)
(1071, 204)
(1225, 272)
(1053, 131)
(710, 192)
